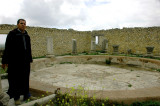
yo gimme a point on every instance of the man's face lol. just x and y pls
(22, 25)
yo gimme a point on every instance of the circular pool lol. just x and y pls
(126, 79)
(98, 77)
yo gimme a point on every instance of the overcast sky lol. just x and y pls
(82, 15)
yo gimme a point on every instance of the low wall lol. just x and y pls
(95, 59)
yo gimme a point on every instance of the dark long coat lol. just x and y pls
(17, 55)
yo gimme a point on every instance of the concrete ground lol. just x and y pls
(116, 82)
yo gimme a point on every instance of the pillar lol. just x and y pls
(104, 45)
(50, 47)
(93, 46)
(74, 46)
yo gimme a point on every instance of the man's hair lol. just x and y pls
(20, 20)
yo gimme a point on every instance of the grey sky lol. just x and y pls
(82, 14)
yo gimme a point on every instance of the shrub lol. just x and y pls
(108, 61)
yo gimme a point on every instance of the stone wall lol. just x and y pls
(62, 39)
(135, 39)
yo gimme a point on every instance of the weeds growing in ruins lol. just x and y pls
(129, 85)
(81, 98)
(108, 61)
(158, 70)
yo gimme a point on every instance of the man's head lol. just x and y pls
(21, 24)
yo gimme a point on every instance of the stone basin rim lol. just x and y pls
(94, 59)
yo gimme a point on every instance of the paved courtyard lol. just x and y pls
(97, 77)
(116, 82)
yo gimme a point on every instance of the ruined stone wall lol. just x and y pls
(135, 39)
(62, 39)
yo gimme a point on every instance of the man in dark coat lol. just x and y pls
(17, 57)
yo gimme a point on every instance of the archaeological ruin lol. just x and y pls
(122, 41)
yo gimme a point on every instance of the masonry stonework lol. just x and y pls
(62, 39)
(134, 39)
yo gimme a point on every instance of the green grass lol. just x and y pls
(108, 61)
(158, 70)
(129, 85)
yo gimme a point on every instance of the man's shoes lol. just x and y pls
(17, 102)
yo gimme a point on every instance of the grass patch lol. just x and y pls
(129, 85)
(108, 61)
(158, 70)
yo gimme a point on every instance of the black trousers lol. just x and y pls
(18, 79)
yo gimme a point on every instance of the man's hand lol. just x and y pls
(4, 66)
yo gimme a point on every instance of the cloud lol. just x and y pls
(125, 13)
(83, 14)
(53, 13)
(9, 12)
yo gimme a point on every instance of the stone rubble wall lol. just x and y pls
(135, 39)
(62, 39)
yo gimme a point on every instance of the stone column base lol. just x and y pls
(148, 55)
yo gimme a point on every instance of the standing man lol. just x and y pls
(17, 57)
